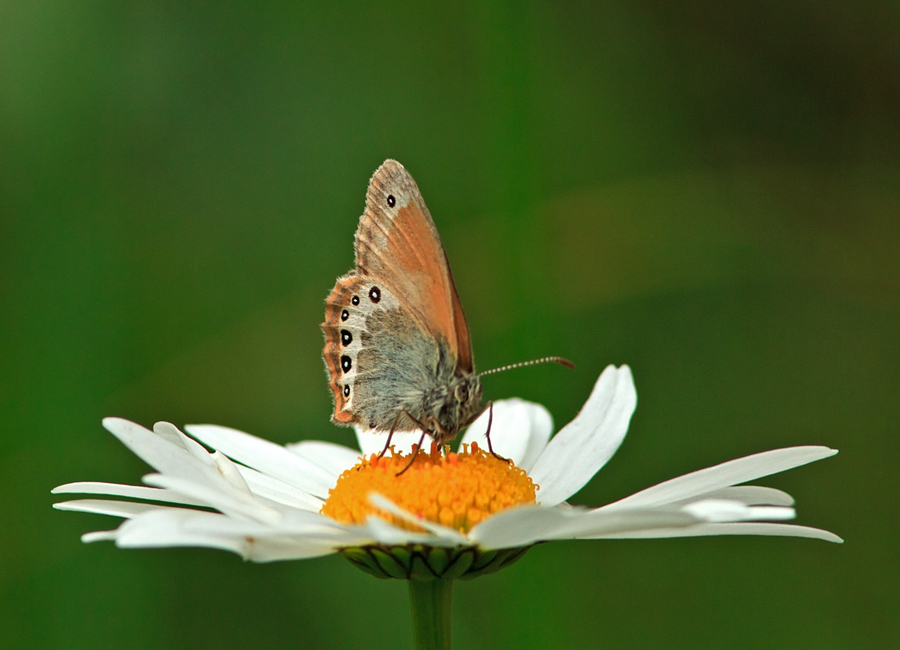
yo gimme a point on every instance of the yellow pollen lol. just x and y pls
(457, 490)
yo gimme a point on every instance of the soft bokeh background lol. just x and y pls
(708, 194)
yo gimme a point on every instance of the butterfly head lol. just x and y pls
(453, 406)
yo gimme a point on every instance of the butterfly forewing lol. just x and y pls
(400, 245)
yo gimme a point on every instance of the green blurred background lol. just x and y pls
(708, 194)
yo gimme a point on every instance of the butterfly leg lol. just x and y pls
(488, 434)
(390, 435)
(415, 450)
(412, 455)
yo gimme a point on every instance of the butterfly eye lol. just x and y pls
(391, 200)
(462, 393)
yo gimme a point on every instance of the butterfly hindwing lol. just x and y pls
(375, 354)
(343, 337)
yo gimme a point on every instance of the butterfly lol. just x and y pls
(397, 350)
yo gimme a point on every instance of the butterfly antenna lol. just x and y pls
(525, 364)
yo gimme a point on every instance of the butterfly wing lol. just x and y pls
(379, 360)
(395, 333)
(398, 243)
(342, 334)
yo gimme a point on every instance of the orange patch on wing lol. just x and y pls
(420, 254)
(344, 417)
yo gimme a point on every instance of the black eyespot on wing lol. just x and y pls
(346, 363)
(347, 390)
(346, 337)
(375, 294)
(355, 300)
(391, 201)
(345, 315)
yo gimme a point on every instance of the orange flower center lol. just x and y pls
(457, 490)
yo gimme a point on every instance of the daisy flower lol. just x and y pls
(453, 515)
(266, 502)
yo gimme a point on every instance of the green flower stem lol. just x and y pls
(430, 604)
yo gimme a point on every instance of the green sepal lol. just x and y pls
(391, 564)
(503, 558)
(439, 560)
(425, 563)
(460, 563)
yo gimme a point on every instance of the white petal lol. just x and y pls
(224, 498)
(247, 507)
(99, 536)
(127, 509)
(769, 513)
(161, 453)
(448, 535)
(519, 431)
(520, 526)
(175, 456)
(529, 524)
(276, 549)
(706, 481)
(722, 510)
(584, 445)
(194, 528)
(752, 495)
(267, 487)
(168, 431)
(384, 532)
(333, 458)
(265, 456)
(372, 442)
(229, 471)
(130, 491)
(703, 530)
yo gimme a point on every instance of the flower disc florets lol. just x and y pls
(457, 490)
